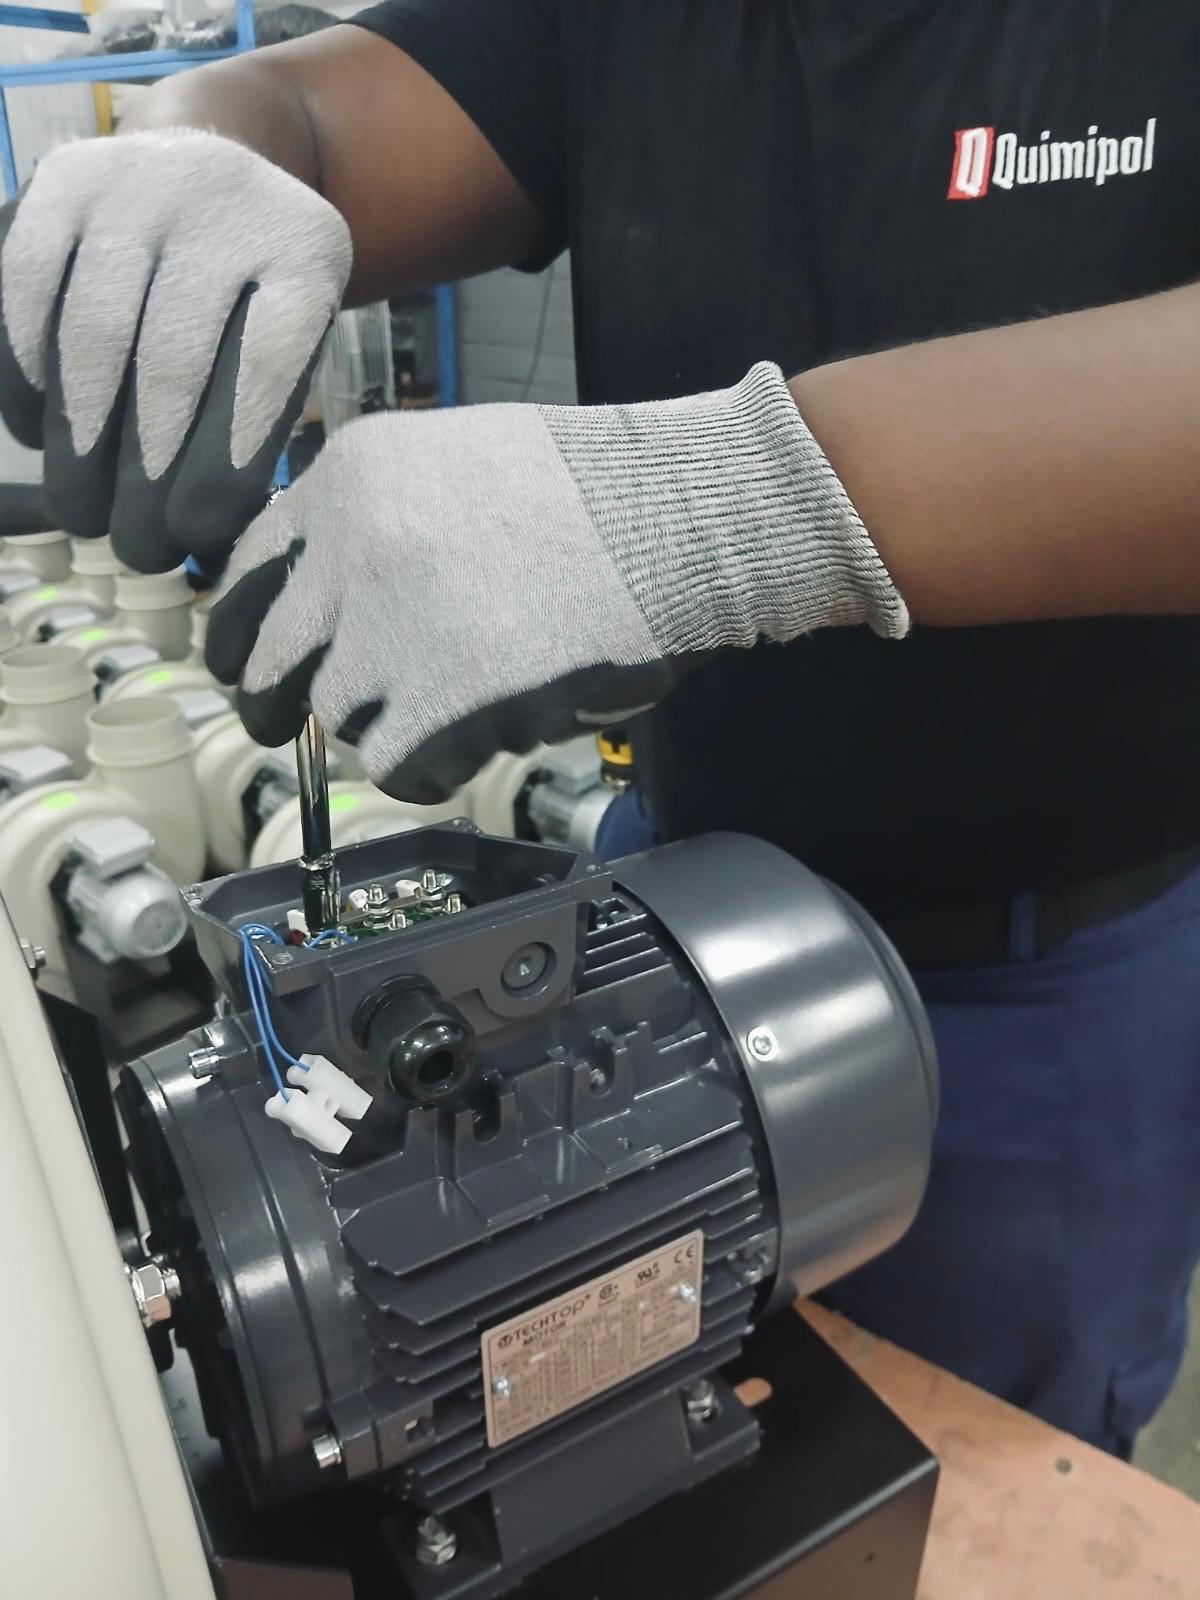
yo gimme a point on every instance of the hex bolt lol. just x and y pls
(751, 1264)
(376, 896)
(429, 881)
(327, 1451)
(700, 1400)
(204, 1063)
(437, 1543)
(598, 1079)
(155, 1286)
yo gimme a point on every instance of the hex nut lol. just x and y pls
(437, 1543)
(155, 1287)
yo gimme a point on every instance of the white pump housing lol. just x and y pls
(357, 811)
(141, 756)
(170, 678)
(77, 598)
(498, 787)
(9, 637)
(182, 679)
(226, 763)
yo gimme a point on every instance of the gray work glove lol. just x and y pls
(446, 585)
(163, 300)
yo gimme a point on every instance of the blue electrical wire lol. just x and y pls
(255, 1007)
(256, 989)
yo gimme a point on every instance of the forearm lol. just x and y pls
(425, 196)
(1049, 469)
(248, 99)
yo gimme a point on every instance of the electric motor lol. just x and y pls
(612, 1116)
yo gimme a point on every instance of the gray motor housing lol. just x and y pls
(713, 1040)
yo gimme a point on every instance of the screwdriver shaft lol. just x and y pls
(318, 865)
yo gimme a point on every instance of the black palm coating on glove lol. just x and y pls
(164, 298)
(584, 701)
(200, 506)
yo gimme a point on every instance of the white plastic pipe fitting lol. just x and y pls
(157, 605)
(47, 692)
(46, 555)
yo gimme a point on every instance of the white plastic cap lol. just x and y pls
(297, 923)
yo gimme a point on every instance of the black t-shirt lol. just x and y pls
(796, 180)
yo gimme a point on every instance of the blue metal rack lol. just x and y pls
(96, 69)
(158, 64)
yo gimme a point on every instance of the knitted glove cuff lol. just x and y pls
(725, 517)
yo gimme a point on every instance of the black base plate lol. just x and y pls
(835, 1506)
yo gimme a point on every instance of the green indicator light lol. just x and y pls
(93, 636)
(343, 802)
(62, 801)
(42, 595)
(163, 675)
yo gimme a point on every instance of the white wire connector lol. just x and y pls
(319, 1073)
(297, 923)
(321, 1093)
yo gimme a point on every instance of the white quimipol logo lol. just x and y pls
(983, 157)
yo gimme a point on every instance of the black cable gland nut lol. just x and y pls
(416, 1041)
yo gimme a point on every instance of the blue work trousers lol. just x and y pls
(1051, 1260)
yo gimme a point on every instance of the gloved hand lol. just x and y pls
(450, 584)
(163, 299)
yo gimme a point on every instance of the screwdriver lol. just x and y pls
(320, 891)
(319, 888)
